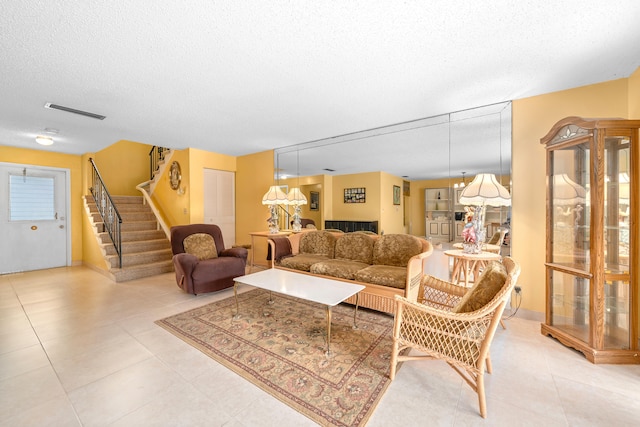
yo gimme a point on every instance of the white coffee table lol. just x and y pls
(304, 286)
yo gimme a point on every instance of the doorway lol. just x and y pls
(35, 226)
(220, 203)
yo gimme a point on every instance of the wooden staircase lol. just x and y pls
(146, 251)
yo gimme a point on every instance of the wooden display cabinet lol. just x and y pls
(592, 237)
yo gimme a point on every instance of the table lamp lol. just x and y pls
(272, 198)
(483, 190)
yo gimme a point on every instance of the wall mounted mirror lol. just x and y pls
(437, 148)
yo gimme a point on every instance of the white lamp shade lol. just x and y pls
(296, 197)
(566, 191)
(275, 196)
(485, 190)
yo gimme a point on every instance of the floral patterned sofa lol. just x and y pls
(386, 265)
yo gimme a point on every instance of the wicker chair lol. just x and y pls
(460, 339)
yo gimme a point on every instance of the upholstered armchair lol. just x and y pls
(455, 324)
(201, 261)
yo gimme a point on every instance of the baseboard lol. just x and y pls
(525, 314)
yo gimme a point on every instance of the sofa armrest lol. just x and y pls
(280, 247)
(237, 252)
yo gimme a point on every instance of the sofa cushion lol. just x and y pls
(302, 262)
(341, 268)
(489, 284)
(396, 249)
(200, 245)
(355, 247)
(318, 243)
(385, 275)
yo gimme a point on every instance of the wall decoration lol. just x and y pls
(355, 195)
(396, 194)
(314, 200)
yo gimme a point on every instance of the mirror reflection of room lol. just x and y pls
(421, 157)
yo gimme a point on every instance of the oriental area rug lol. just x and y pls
(281, 348)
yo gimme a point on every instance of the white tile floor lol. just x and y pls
(79, 350)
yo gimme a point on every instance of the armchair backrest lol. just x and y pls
(180, 232)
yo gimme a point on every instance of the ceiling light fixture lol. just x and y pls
(462, 184)
(44, 140)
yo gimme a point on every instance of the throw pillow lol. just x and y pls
(200, 245)
(489, 284)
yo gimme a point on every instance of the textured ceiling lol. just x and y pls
(238, 77)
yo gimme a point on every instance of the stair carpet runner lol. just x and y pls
(146, 251)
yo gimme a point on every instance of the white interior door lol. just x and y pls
(35, 232)
(220, 202)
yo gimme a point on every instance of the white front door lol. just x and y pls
(220, 203)
(33, 218)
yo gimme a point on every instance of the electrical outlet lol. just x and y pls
(518, 290)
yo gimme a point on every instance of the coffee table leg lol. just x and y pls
(328, 330)
(355, 312)
(235, 293)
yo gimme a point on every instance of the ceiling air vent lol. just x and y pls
(73, 110)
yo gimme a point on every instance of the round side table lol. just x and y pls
(466, 265)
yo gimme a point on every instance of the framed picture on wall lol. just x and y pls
(355, 195)
(396, 194)
(314, 200)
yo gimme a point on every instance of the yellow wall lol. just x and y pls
(634, 95)
(176, 209)
(124, 165)
(532, 119)
(253, 178)
(391, 216)
(57, 160)
(368, 211)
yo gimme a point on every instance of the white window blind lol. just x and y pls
(31, 198)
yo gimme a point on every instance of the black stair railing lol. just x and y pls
(156, 155)
(111, 219)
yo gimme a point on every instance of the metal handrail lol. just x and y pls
(156, 155)
(111, 219)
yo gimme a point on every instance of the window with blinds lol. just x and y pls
(31, 198)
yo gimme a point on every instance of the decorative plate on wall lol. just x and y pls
(175, 175)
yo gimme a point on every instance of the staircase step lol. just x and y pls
(138, 258)
(127, 216)
(138, 246)
(131, 236)
(127, 207)
(131, 226)
(136, 272)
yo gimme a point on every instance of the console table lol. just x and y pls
(265, 235)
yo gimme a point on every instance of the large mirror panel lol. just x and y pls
(423, 153)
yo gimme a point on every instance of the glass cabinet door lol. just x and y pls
(570, 208)
(616, 241)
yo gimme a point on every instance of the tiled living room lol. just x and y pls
(78, 349)
(238, 93)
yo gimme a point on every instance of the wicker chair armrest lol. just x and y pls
(440, 293)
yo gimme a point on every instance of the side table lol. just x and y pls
(254, 248)
(465, 265)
